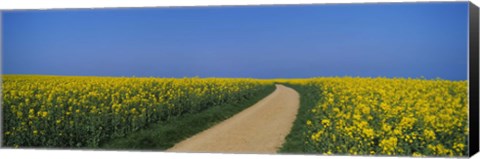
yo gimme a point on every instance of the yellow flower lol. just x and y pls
(389, 145)
(44, 114)
(429, 134)
(459, 147)
(309, 123)
(316, 136)
(328, 153)
(326, 122)
(133, 110)
(417, 154)
(19, 114)
(369, 132)
(330, 100)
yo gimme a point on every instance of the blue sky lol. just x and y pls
(297, 41)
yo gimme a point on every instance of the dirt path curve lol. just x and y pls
(261, 128)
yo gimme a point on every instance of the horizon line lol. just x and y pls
(313, 77)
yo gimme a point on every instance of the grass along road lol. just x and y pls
(163, 135)
(261, 128)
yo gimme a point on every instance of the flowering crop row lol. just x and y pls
(380, 116)
(53, 111)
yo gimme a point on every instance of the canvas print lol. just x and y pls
(379, 79)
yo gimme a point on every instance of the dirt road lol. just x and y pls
(260, 128)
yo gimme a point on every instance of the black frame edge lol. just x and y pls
(473, 44)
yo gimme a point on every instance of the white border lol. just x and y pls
(64, 4)
(82, 154)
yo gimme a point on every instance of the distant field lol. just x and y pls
(362, 116)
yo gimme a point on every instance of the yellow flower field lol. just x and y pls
(357, 116)
(62, 111)
(380, 116)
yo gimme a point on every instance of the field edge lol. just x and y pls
(294, 141)
(165, 134)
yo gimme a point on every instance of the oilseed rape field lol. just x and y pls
(51, 111)
(338, 115)
(380, 116)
